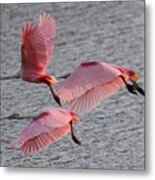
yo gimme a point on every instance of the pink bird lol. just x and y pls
(94, 81)
(48, 127)
(37, 44)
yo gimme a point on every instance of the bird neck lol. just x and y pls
(46, 79)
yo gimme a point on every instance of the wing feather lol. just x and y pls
(45, 122)
(35, 57)
(93, 97)
(47, 26)
(41, 141)
(87, 76)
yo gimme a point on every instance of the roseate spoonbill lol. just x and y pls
(94, 81)
(37, 44)
(45, 129)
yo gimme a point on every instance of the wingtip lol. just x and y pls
(45, 15)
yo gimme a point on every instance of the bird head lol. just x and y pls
(127, 73)
(75, 117)
(133, 76)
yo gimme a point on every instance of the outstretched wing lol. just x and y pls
(47, 128)
(93, 97)
(34, 50)
(87, 76)
(47, 26)
(41, 141)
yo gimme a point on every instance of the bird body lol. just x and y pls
(90, 83)
(48, 127)
(37, 49)
(86, 76)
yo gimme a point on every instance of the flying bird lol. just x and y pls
(48, 127)
(93, 81)
(37, 44)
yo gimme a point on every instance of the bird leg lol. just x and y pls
(137, 87)
(57, 99)
(16, 116)
(64, 76)
(14, 76)
(75, 139)
(130, 88)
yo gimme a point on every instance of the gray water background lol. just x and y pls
(112, 134)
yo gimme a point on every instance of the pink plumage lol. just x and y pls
(89, 84)
(48, 127)
(93, 97)
(37, 44)
(35, 57)
(132, 74)
(47, 26)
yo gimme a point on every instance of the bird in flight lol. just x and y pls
(93, 81)
(48, 127)
(37, 44)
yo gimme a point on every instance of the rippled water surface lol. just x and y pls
(112, 134)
